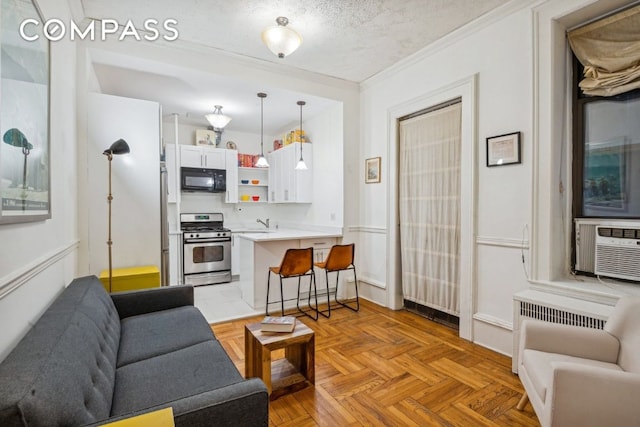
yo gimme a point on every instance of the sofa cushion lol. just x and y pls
(539, 367)
(171, 376)
(153, 334)
(66, 361)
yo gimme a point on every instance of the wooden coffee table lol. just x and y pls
(294, 372)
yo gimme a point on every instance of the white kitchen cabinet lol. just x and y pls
(235, 255)
(286, 184)
(194, 156)
(320, 247)
(231, 163)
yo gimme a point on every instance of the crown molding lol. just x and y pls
(446, 41)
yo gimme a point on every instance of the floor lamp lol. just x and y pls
(118, 147)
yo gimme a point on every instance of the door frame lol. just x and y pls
(464, 89)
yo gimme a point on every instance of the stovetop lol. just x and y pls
(188, 227)
(203, 225)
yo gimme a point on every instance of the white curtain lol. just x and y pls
(429, 208)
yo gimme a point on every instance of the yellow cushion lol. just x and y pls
(160, 418)
(132, 278)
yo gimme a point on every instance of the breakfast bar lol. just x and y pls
(261, 250)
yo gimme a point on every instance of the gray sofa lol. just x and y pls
(94, 358)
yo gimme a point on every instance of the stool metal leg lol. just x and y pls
(281, 297)
(267, 304)
(315, 294)
(328, 314)
(344, 304)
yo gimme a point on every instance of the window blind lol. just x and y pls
(609, 50)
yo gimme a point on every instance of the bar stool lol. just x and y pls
(340, 258)
(295, 263)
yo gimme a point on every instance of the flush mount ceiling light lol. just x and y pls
(217, 119)
(280, 39)
(262, 161)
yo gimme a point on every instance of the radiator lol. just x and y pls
(541, 310)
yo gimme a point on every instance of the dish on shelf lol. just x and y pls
(255, 198)
(244, 181)
(255, 181)
(231, 145)
(244, 197)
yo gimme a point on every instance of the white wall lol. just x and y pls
(39, 259)
(519, 56)
(502, 194)
(325, 132)
(135, 182)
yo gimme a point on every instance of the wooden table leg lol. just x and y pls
(310, 368)
(264, 363)
(523, 402)
(249, 354)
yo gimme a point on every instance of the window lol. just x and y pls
(606, 129)
(606, 154)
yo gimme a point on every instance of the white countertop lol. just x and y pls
(282, 234)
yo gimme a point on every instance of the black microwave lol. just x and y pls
(209, 180)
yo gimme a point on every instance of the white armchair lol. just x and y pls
(576, 376)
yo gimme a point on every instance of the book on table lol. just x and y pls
(278, 324)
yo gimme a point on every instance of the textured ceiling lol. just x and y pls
(347, 39)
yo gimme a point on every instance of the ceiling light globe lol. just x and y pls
(280, 39)
(217, 119)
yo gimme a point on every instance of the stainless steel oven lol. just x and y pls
(206, 249)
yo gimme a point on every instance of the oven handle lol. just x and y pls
(198, 241)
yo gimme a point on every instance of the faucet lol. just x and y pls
(265, 223)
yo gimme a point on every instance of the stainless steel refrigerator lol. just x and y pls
(164, 227)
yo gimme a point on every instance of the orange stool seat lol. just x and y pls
(295, 263)
(340, 258)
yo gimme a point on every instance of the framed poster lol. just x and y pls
(24, 117)
(205, 137)
(503, 149)
(372, 170)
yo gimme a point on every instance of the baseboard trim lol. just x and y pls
(14, 280)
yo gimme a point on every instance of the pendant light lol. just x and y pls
(301, 166)
(262, 161)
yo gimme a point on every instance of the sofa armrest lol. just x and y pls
(244, 404)
(592, 396)
(576, 341)
(149, 300)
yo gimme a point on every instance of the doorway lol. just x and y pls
(466, 90)
(429, 161)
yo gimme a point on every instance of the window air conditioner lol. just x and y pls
(586, 244)
(617, 252)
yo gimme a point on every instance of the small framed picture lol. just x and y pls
(503, 149)
(372, 170)
(205, 137)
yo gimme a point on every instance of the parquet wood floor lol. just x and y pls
(380, 367)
